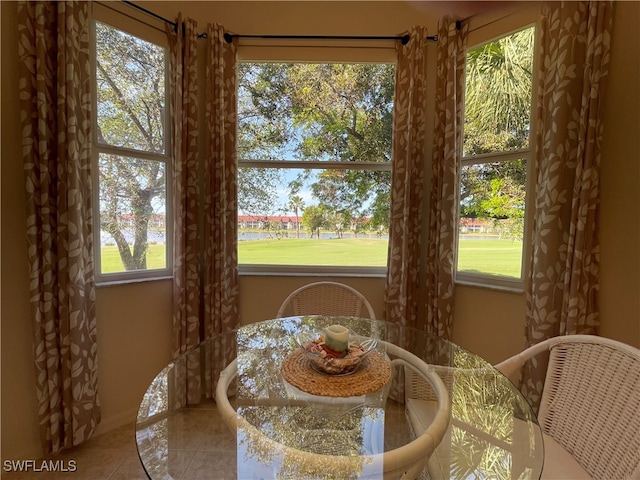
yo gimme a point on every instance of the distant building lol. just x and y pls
(156, 220)
(474, 225)
(279, 222)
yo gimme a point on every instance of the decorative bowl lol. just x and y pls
(323, 360)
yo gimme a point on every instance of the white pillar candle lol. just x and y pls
(336, 337)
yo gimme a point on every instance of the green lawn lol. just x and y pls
(494, 257)
(304, 251)
(497, 257)
(111, 258)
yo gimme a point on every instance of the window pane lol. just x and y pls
(313, 217)
(492, 210)
(130, 75)
(498, 95)
(315, 112)
(133, 230)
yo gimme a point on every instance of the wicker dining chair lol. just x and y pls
(326, 298)
(590, 406)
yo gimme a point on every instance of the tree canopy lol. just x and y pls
(316, 112)
(497, 119)
(344, 113)
(130, 81)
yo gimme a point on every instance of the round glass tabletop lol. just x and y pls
(249, 404)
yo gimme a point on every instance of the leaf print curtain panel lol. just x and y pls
(186, 192)
(563, 284)
(55, 95)
(445, 193)
(205, 191)
(220, 186)
(409, 145)
(220, 278)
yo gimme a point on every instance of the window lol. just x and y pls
(132, 156)
(314, 149)
(496, 150)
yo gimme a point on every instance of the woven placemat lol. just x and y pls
(372, 375)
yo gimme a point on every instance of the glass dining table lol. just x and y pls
(252, 404)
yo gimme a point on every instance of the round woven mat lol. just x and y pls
(372, 375)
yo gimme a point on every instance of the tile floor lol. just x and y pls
(110, 456)
(113, 455)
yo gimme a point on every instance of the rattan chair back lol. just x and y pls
(590, 402)
(326, 298)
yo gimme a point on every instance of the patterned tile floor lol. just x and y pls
(113, 456)
(110, 456)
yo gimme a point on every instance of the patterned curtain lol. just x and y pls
(205, 198)
(55, 94)
(409, 146)
(445, 193)
(220, 279)
(187, 300)
(563, 284)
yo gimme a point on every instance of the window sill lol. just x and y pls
(516, 289)
(126, 281)
(311, 271)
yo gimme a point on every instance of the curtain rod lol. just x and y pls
(403, 38)
(153, 14)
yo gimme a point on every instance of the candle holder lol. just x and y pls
(341, 355)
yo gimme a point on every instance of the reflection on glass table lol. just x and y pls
(275, 430)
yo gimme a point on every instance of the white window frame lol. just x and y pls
(338, 51)
(125, 22)
(478, 37)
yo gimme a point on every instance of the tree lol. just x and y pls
(342, 196)
(338, 112)
(480, 195)
(131, 96)
(296, 204)
(498, 94)
(257, 191)
(497, 119)
(313, 218)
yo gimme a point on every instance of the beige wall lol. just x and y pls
(134, 321)
(18, 402)
(620, 204)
